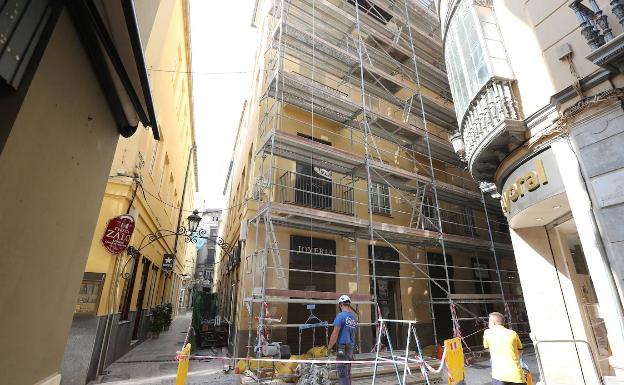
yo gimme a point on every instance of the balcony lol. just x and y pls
(313, 192)
(607, 49)
(491, 129)
(346, 162)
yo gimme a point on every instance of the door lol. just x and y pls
(438, 288)
(313, 184)
(312, 268)
(140, 297)
(578, 270)
(387, 267)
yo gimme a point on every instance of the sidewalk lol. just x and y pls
(153, 362)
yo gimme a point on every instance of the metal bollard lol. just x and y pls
(183, 364)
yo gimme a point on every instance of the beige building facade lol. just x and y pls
(537, 91)
(155, 182)
(344, 181)
(64, 107)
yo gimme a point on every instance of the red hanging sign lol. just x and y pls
(118, 233)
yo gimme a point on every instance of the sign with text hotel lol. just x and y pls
(531, 182)
(118, 233)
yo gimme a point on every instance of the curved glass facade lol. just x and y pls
(474, 52)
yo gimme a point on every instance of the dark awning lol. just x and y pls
(110, 34)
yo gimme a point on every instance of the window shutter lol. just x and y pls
(21, 25)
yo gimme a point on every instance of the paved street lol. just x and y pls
(153, 362)
(479, 373)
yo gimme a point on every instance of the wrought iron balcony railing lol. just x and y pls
(459, 223)
(314, 192)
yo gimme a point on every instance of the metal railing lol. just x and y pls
(458, 223)
(314, 192)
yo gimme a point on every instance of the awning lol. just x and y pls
(110, 35)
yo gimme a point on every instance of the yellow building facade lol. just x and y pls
(154, 181)
(341, 184)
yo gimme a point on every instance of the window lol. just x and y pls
(163, 173)
(474, 52)
(380, 198)
(154, 156)
(89, 294)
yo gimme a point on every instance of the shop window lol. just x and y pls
(89, 293)
(380, 198)
(580, 264)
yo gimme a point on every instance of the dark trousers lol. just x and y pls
(344, 370)
(498, 382)
(344, 374)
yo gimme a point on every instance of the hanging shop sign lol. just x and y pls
(118, 233)
(167, 265)
(322, 172)
(532, 182)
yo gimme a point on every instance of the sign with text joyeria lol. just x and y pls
(118, 233)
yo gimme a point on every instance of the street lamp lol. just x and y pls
(193, 221)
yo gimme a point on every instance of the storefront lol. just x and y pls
(568, 286)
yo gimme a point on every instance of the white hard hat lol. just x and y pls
(344, 298)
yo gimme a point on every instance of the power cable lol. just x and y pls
(157, 198)
(199, 72)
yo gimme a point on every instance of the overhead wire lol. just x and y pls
(199, 72)
(157, 198)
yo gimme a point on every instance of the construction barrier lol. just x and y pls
(454, 361)
(183, 365)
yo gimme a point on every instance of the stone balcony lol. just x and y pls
(607, 49)
(491, 129)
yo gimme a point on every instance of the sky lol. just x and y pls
(222, 41)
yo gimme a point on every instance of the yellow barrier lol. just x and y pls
(183, 364)
(454, 361)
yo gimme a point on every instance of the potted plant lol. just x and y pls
(158, 320)
(168, 315)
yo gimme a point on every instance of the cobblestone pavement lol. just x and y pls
(153, 363)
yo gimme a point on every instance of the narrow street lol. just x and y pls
(153, 362)
(321, 192)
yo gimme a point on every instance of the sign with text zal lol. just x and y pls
(118, 233)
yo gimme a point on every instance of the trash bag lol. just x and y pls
(318, 351)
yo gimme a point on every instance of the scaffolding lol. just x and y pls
(354, 113)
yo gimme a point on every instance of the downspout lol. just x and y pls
(188, 166)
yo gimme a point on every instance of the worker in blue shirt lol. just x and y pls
(343, 337)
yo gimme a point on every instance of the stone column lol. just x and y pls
(597, 262)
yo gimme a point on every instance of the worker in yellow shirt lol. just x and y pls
(505, 350)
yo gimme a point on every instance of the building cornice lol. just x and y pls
(587, 83)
